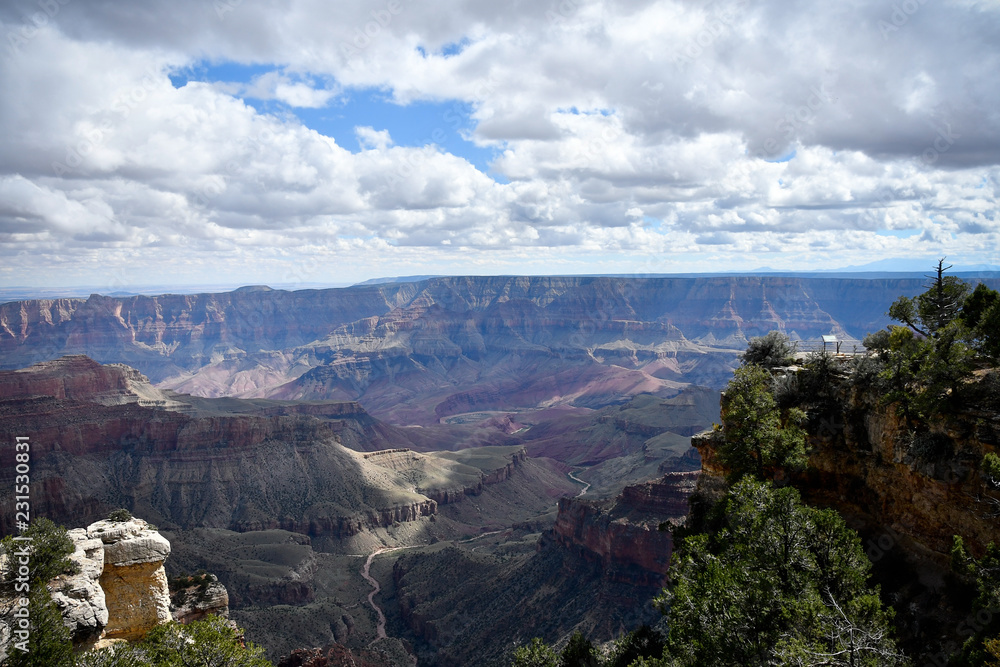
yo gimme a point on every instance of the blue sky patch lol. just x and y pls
(442, 123)
(898, 233)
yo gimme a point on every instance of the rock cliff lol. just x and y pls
(222, 463)
(629, 535)
(867, 462)
(194, 602)
(133, 579)
(80, 597)
(908, 486)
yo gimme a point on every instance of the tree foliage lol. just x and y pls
(984, 573)
(778, 583)
(947, 332)
(644, 642)
(931, 312)
(579, 652)
(770, 351)
(211, 642)
(535, 654)
(49, 641)
(759, 437)
(632, 649)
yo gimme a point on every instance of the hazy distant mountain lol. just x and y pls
(395, 279)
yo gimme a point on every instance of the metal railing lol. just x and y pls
(848, 347)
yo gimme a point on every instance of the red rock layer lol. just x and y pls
(625, 534)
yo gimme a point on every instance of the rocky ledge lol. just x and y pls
(630, 534)
(120, 591)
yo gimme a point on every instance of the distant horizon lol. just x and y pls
(24, 292)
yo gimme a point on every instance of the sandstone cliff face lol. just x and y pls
(195, 602)
(907, 486)
(80, 597)
(623, 534)
(133, 579)
(864, 463)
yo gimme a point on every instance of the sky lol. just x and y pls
(294, 142)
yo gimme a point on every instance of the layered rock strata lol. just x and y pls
(133, 579)
(79, 596)
(630, 535)
(120, 591)
(195, 602)
(226, 464)
(865, 462)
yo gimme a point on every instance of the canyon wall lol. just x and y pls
(421, 351)
(630, 536)
(221, 463)
(279, 468)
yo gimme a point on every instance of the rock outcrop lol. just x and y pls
(134, 581)
(865, 462)
(198, 600)
(627, 535)
(120, 591)
(908, 486)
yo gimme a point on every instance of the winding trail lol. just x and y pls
(586, 485)
(479, 537)
(377, 588)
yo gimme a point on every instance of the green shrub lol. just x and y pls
(770, 351)
(776, 583)
(120, 515)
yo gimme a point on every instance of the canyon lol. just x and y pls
(267, 495)
(527, 440)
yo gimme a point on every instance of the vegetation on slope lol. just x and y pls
(763, 579)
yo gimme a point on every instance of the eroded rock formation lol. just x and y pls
(80, 597)
(121, 591)
(865, 461)
(133, 579)
(195, 602)
(629, 535)
(416, 351)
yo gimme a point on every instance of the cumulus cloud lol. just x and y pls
(657, 135)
